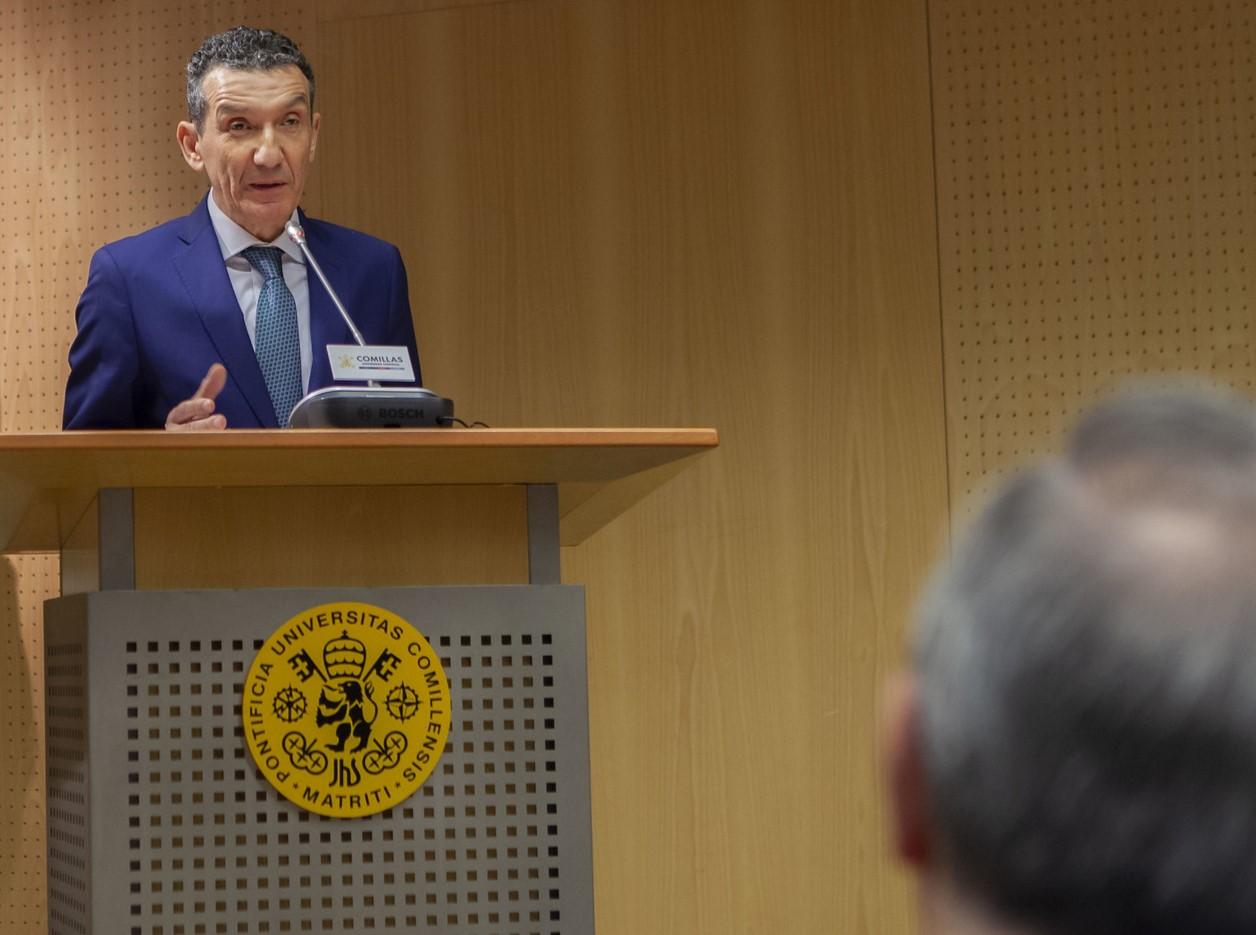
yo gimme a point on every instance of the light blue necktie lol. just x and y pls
(275, 337)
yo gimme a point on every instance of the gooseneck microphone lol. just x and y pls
(371, 406)
(297, 235)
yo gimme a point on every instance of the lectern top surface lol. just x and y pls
(360, 438)
(598, 471)
(345, 457)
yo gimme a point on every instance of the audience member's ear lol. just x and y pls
(905, 772)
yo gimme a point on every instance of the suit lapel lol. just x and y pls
(326, 325)
(200, 267)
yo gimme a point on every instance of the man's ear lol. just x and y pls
(315, 122)
(190, 144)
(905, 772)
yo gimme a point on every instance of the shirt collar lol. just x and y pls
(232, 238)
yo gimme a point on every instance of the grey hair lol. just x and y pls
(246, 49)
(1087, 671)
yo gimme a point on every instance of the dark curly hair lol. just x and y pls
(244, 48)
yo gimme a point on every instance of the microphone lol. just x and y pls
(297, 235)
(372, 406)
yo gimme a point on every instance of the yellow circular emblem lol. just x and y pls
(346, 709)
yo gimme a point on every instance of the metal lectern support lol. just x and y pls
(544, 563)
(98, 552)
(117, 539)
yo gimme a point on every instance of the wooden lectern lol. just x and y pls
(182, 553)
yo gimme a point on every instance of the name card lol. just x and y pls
(370, 362)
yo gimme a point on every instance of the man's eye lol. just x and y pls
(292, 120)
(236, 126)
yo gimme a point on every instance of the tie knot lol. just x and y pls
(265, 260)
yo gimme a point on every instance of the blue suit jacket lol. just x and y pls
(159, 309)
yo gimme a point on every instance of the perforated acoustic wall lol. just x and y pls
(1096, 172)
(92, 91)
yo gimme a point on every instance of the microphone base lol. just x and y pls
(372, 407)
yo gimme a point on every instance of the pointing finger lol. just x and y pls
(211, 386)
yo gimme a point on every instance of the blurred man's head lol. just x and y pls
(1075, 750)
(251, 127)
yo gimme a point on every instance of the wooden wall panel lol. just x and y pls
(691, 212)
(333, 11)
(614, 212)
(436, 536)
(92, 92)
(1097, 212)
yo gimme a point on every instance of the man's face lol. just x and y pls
(256, 145)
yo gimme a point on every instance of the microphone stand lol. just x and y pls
(372, 406)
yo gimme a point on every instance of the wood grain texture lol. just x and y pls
(253, 537)
(699, 213)
(614, 212)
(47, 479)
(334, 11)
(80, 550)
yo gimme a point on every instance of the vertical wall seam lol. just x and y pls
(937, 235)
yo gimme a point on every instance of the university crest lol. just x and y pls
(346, 709)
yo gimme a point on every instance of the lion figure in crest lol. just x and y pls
(346, 701)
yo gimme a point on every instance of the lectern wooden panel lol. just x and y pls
(377, 536)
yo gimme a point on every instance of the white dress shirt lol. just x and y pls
(247, 282)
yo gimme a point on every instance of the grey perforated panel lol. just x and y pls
(187, 836)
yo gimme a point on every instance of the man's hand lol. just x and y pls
(197, 414)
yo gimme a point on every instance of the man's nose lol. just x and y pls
(267, 154)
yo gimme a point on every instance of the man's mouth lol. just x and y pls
(267, 186)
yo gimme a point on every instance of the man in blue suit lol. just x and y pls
(211, 320)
